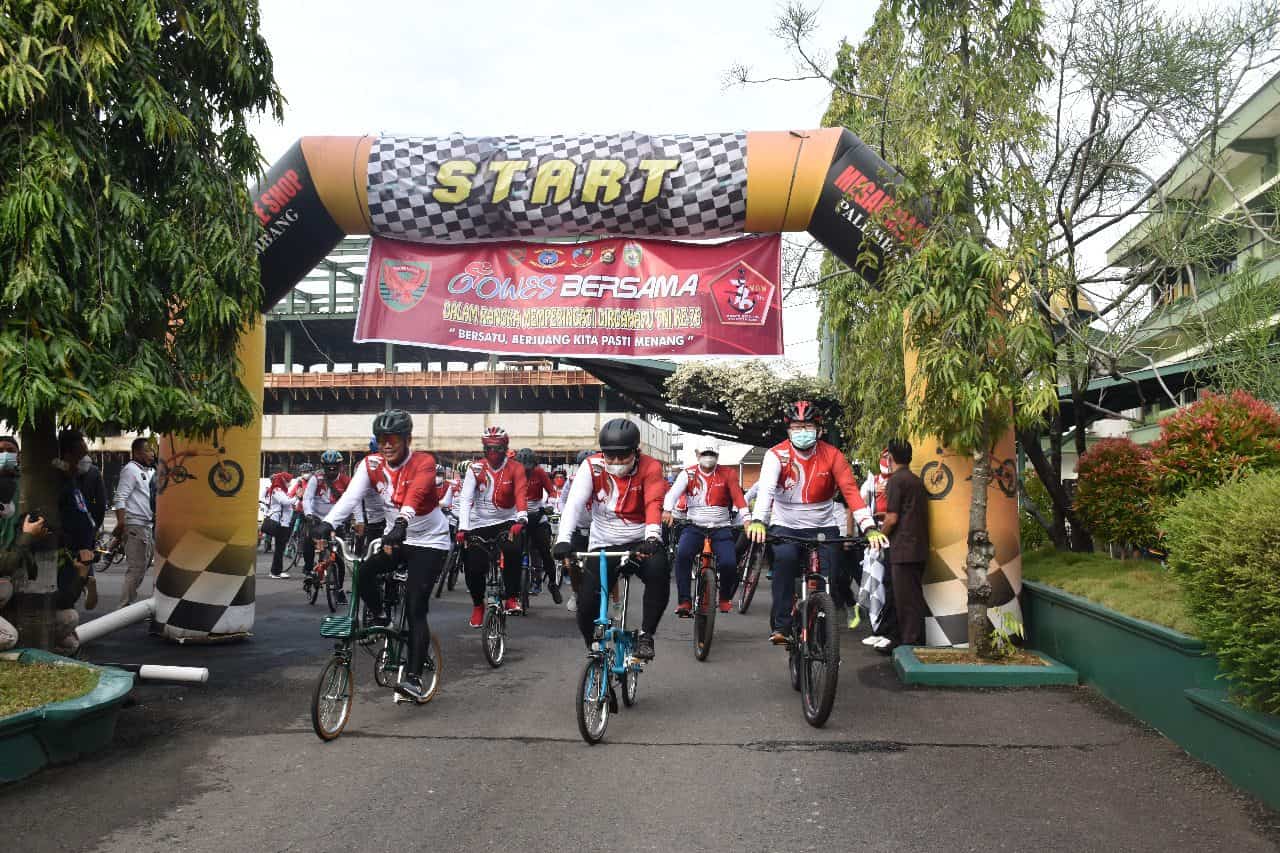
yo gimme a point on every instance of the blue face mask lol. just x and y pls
(8, 460)
(803, 439)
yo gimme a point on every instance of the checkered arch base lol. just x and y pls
(704, 196)
(205, 590)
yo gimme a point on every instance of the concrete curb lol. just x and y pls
(911, 671)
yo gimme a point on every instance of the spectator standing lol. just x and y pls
(906, 523)
(135, 516)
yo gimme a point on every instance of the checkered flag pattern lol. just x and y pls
(205, 589)
(871, 594)
(705, 196)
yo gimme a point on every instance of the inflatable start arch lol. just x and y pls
(458, 189)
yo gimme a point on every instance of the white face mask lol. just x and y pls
(803, 439)
(7, 510)
(708, 462)
(83, 466)
(620, 470)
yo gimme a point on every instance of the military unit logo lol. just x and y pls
(742, 296)
(402, 284)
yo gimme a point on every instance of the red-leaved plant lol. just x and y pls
(1115, 492)
(1216, 439)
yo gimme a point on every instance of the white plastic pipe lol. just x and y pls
(190, 674)
(122, 618)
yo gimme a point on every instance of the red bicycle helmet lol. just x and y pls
(802, 410)
(495, 436)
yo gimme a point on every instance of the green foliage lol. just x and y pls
(1142, 589)
(1245, 338)
(1032, 534)
(1217, 439)
(1006, 636)
(127, 256)
(1116, 492)
(1223, 545)
(751, 392)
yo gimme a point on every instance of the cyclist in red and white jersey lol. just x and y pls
(798, 479)
(494, 498)
(713, 500)
(622, 490)
(417, 534)
(541, 497)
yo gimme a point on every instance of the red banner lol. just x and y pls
(617, 297)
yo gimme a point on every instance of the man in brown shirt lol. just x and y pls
(906, 523)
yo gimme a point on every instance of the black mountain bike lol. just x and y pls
(813, 644)
(493, 631)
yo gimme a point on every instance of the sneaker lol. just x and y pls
(275, 576)
(572, 604)
(883, 643)
(726, 605)
(554, 589)
(410, 687)
(855, 616)
(90, 593)
(778, 638)
(284, 576)
(341, 597)
(684, 610)
(512, 605)
(644, 646)
(870, 641)
(477, 616)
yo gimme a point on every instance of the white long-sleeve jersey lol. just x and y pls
(696, 488)
(801, 496)
(624, 509)
(429, 530)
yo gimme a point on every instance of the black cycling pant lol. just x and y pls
(423, 566)
(477, 561)
(538, 536)
(654, 571)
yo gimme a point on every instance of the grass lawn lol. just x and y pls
(1138, 588)
(27, 686)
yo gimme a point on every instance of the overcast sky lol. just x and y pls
(499, 67)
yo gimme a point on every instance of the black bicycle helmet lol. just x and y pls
(526, 457)
(802, 410)
(619, 436)
(393, 422)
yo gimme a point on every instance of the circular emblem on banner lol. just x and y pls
(402, 284)
(632, 255)
(608, 255)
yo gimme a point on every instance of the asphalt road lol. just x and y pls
(715, 756)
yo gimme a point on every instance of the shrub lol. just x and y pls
(1033, 535)
(1224, 546)
(1115, 492)
(1216, 439)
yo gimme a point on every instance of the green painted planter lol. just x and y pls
(912, 671)
(1164, 677)
(61, 731)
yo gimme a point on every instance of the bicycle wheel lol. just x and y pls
(793, 664)
(526, 581)
(820, 660)
(494, 635)
(440, 581)
(593, 700)
(704, 618)
(331, 588)
(331, 702)
(630, 685)
(433, 671)
(386, 666)
(749, 583)
(311, 589)
(454, 567)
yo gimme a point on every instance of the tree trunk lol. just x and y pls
(1081, 540)
(31, 610)
(1052, 480)
(981, 551)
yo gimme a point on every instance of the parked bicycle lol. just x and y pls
(612, 657)
(335, 690)
(109, 552)
(813, 643)
(493, 630)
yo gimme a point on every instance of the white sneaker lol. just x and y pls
(871, 640)
(284, 576)
(572, 604)
(883, 642)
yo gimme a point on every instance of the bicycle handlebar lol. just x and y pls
(347, 554)
(817, 541)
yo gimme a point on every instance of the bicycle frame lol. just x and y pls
(616, 643)
(346, 629)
